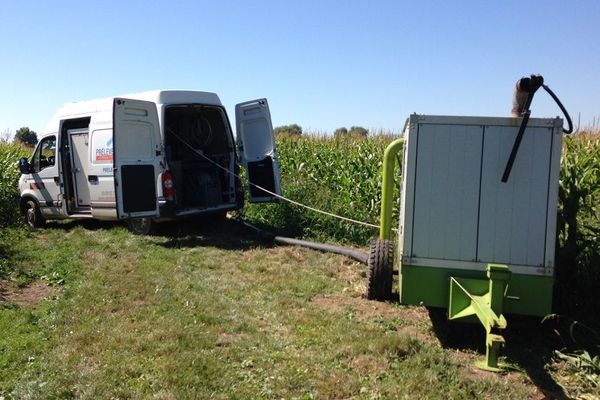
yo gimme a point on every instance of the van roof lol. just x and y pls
(160, 97)
(176, 97)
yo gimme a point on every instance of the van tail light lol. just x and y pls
(168, 186)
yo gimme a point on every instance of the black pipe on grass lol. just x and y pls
(351, 253)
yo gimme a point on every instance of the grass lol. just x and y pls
(198, 314)
(89, 311)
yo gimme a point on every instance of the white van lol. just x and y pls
(147, 157)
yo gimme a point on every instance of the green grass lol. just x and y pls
(216, 314)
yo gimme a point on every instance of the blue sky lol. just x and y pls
(322, 64)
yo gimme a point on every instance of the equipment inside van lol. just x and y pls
(148, 157)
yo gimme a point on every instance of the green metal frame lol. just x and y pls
(429, 286)
(387, 188)
(469, 295)
(485, 300)
(483, 296)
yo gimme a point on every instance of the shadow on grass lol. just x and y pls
(189, 232)
(88, 224)
(213, 232)
(529, 345)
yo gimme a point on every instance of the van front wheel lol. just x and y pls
(141, 226)
(33, 216)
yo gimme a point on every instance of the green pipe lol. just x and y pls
(387, 188)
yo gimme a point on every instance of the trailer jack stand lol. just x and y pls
(483, 299)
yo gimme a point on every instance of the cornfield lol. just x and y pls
(9, 154)
(340, 175)
(578, 250)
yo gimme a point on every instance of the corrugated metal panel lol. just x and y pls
(447, 192)
(513, 215)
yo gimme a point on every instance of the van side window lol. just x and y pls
(45, 154)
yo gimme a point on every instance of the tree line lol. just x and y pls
(296, 130)
(24, 136)
(29, 137)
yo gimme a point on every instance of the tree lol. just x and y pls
(293, 129)
(340, 132)
(358, 131)
(26, 136)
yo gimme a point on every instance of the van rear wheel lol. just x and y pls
(33, 216)
(141, 226)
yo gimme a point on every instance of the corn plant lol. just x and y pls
(578, 250)
(9, 155)
(340, 175)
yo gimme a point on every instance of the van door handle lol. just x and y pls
(93, 178)
(56, 179)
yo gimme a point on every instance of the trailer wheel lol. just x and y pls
(141, 226)
(380, 270)
(33, 216)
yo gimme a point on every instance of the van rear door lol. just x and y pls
(136, 150)
(257, 148)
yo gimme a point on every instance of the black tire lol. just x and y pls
(380, 270)
(33, 216)
(141, 226)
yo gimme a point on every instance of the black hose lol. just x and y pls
(562, 108)
(354, 254)
(524, 86)
(351, 253)
(521, 104)
(516, 144)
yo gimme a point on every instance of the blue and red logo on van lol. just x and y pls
(105, 153)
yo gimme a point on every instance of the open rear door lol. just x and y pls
(136, 149)
(257, 148)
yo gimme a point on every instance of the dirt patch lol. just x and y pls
(294, 253)
(227, 339)
(26, 295)
(94, 257)
(367, 364)
(368, 309)
(349, 273)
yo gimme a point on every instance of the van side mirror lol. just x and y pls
(24, 166)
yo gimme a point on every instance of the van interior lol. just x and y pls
(70, 186)
(198, 139)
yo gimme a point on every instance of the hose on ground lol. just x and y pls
(351, 253)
